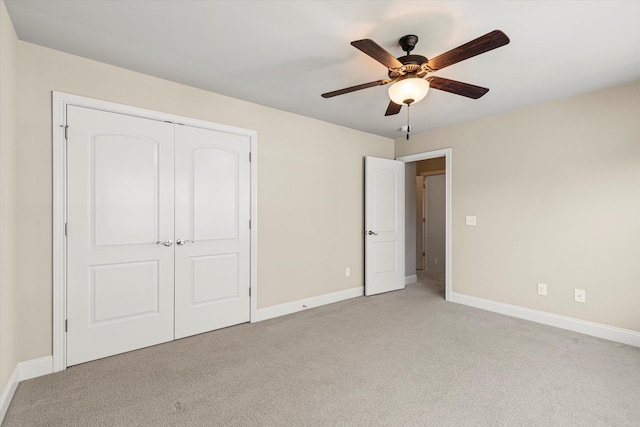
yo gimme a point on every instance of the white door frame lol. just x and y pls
(424, 222)
(446, 153)
(59, 120)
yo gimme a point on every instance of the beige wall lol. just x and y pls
(556, 191)
(309, 182)
(8, 284)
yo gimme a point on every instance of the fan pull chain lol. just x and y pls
(408, 120)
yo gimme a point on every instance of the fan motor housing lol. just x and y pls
(412, 59)
(412, 64)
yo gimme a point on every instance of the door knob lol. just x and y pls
(167, 242)
(181, 242)
(372, 233)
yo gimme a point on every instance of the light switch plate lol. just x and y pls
(471, 220)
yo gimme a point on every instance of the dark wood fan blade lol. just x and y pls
(456, 87)
(482, 44)
(392, 109)
(355, 88)
(377, 52)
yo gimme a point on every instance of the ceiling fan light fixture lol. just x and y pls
(409, 91)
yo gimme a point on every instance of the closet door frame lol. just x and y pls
(59, 197)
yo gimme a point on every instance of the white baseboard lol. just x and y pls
(24, 371)
(7, 393)
(410, 279)
(35, 367)
(624, 336)
(304, 304)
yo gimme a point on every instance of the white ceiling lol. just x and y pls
(284, 54)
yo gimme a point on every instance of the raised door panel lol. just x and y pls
(214, 269)
(124, 189)
(120, 205)
(214, 207)
(139, 281)
(384, 201)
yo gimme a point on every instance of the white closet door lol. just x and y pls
(212, 230)
(120, 204)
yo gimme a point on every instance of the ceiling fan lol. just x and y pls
(408, 72)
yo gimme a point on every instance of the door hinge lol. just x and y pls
(423, 220)
(249, 291)
(423, 254)
(249, 224)
(66, 325)
(66, 131)
(249, 156)
(66, 228)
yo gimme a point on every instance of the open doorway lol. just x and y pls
(428, 217)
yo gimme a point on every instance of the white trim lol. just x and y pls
(59, 110)
(59, 195)
(410, 279)
(304, 304)
(599, 330)
(253, 280)
(23, 371)
(447, 154)
(35, 367)
(8, 392)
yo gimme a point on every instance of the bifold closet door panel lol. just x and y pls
(212, 212)
(120, 271)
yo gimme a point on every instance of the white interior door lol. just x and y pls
(384, 225)
(120, 205)
(212, 230)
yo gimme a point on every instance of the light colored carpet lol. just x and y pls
(402, 358)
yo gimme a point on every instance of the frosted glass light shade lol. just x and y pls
(408, 91)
